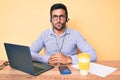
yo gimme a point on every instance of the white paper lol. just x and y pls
(98, 69)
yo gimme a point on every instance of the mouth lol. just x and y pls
(59, 24)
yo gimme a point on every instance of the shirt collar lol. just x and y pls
(67, 31)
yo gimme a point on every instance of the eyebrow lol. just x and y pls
(58, 15)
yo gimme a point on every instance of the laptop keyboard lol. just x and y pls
(40, 65)
(37, 69)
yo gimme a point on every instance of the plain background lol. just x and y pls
(22, 21)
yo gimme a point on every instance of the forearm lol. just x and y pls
(39, 58)
(93, 56)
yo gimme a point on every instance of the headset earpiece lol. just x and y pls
(67, 19)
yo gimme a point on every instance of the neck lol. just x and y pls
(59, 32)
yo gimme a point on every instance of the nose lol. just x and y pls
(58, 19)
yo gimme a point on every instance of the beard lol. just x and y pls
(59, 26)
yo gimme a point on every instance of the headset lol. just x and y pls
(67, 19)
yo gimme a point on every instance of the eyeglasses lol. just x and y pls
(61, 17)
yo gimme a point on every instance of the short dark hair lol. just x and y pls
(59, 6)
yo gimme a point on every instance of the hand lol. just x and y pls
(59, 58)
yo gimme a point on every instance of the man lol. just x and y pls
(60, 42)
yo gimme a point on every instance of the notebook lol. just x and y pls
(20, 58)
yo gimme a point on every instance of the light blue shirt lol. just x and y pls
(67, 44)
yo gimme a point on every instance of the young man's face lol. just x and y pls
(58, 19)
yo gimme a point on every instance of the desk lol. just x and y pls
(9, 73)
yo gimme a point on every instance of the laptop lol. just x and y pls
(20, 58)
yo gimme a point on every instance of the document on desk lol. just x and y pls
(98, 69)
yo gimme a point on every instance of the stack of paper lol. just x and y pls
(98, 69)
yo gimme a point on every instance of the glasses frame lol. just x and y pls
(61, 17)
